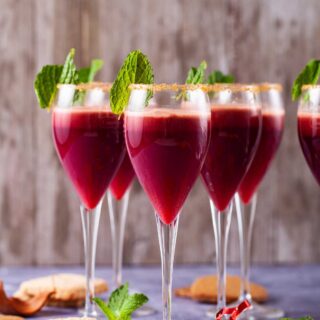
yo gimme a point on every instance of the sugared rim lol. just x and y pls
(166, 86)
(310, 86)
(236, 87)
(104, 86)
(266, 86)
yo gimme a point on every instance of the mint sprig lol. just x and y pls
(88, 74)
(309, 75)
(196, 75)
(136, 68)
(45, 84)
(121, 305)
(219, 77)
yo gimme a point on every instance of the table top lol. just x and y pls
(296, 289)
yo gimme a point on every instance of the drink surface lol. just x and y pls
(123, 178)
(309, 136)
(234, 136)
(167, 149)
(90, 145)
(271, 133)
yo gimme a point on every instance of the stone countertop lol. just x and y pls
(296, 289)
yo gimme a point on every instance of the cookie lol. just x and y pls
(183, 292)
(70, 289)
(204, 289)
(2, 317)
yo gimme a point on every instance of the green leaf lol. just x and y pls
(132, 303)
(105, 309)
(118, 298)
(45, 85)
(219, 77)
(121, 305)
(196, 75)
(69, 73)
(309, 75)
(136, 68)
(88, 74)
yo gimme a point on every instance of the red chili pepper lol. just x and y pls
(233, 312)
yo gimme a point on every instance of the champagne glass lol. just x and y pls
(167, 129)
(118, 196)
(235, 132)
(89, 141)
(246, 198)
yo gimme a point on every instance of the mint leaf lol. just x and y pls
(196, 75)
(121, 305)
(88, 74)
(118, 298)
(219, 77)
(105, 309)
(136, 68)
(309, 75)
(50, 76)
(69, 73)
(132, 303)
(45, 85)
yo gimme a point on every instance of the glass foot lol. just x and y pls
(144, 311)
(212, 311)
(259, 312)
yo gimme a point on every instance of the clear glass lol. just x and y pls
(89, 142)
(118, 213)
(236, 127)
(167, 130)
(246, 199)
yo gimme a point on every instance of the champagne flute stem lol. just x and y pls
(245, 216)
(90, 224)
(118, 216)
(167, 234)
(221, 227)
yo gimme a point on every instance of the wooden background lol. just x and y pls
(257, 40)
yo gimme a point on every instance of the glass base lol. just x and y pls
(144, 311)
(259, 312)
(94, 314)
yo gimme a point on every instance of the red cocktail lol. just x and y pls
(166, 149)
(123, 178)
(234, 132)
(246, 199)
(90, 144)
(167, 139)
(271, 133)
(309, 136)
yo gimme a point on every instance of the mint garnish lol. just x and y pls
(309, 75)
(136, 68)
(88, 74)
(196, 75)
(50, 76)
(219, 77)
(121, 305)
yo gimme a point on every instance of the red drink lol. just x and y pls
(271, 133)
(309, 136)
(167, 149)
(123, 178)
(234, 136)
(90, 145)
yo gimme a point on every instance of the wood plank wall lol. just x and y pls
(257, 40)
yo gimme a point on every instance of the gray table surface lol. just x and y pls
(295, 289)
